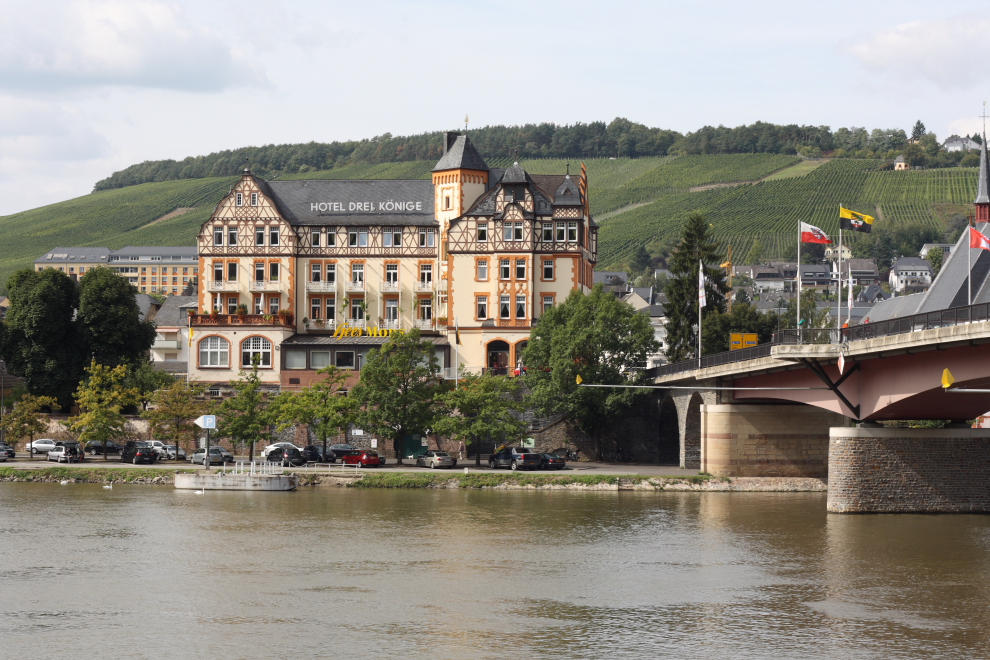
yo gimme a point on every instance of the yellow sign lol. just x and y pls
(947, 379)
(738, 340)
(347, 331)
(579, 380)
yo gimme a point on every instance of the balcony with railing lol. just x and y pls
(317, 326)
(241, 319)
(389, 287)
(387, 324)
(322, 287)
(219, 285)
(266, 285)
(354, 287)
(424, 285)
(166, 345)
(423, 324)
(356, 323)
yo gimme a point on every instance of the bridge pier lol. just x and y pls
(739, 440)
(889, 470)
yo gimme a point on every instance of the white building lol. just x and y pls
(910, 274)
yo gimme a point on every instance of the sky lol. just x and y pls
(88, 87)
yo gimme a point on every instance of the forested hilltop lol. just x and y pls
(619, 138)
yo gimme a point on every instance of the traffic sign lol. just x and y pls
(206, 422)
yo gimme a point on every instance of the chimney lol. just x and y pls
(449, 138)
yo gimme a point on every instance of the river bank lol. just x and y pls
(448, 480)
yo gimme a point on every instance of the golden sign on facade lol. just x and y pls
(347, 331)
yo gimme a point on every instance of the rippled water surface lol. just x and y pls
(151, 572)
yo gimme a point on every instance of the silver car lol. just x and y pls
(218, 456)
(435, 458)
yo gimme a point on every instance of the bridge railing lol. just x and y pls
(898, 326)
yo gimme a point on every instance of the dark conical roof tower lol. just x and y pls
(983, 185)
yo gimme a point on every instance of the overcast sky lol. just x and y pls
(88, 87)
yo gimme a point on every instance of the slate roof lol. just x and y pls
(323, 202)
(567, 193)
(602, 276)
(171, 366)
(873, 293)
(147, 306)
(983, 189)
(85, 254)
(330, 340)
(859, 266)
(911, 263)
(171, 314)
(174, 253)
(515, 174)
(897, 306)
(460, 154)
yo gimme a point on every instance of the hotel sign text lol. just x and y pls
(364, 207)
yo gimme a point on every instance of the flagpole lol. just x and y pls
(798, 320)
(969, 266)
(701, 285)
(457, 338)
(838, 281)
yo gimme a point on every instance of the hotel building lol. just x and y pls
(305, 274)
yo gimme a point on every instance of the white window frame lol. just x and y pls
(482, 270)
(214, 352)
(548, 269)
(239, 199)
(520, 307)
(218, 234)
(254, 199)
(482, 232)
(256, 346)
(481, 307)
(505, 307)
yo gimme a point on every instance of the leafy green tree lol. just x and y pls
(25, 419)
(323, 406)
(935, 258)
(399, 386)
(482, 406)
(598, 337)
(742, 296)
(102, 398)
(245, 416)
(174, 409)
(811, 314)
(743, 318)
(697, 245)
(915, 156)
(147, 380)
(918, 131)
(40, 342)
(109, 320)
(640, 261)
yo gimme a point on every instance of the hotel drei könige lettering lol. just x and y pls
(364, 207)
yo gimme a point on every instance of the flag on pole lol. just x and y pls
(855, 221)
(457, 332)
(978, 240)
(701, 285)
(812, 234)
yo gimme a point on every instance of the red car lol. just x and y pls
(362, 457)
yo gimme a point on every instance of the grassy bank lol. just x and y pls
(91, 475)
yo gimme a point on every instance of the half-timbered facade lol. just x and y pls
(304, 274)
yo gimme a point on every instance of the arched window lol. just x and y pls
(214, 352)
(256, 346)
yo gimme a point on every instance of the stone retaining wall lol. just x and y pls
(874, 470)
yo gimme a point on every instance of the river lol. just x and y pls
(151, 572)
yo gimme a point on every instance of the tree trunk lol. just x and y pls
(397, 446)
(597, 440)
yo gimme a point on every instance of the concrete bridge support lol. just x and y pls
(885, 470)
(739, 440)
(688, 405)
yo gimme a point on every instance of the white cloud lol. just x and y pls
(949, 52)
(96, 43)
(38, 131)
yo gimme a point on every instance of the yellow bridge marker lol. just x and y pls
(579, 380)
(947, 379)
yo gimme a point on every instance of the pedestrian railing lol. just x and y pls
(256, 467)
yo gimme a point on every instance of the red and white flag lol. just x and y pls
(978, 240)
(812, 234)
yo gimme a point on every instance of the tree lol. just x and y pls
(482, 406)
(755, 255)
(697, 245)
(174, 410)
(812, 316)
(600, 338)
(245, 416)
(109, 320)
(743, 318)
(918, 131)
(935, 258)
(25, 419)
(742, 296)
(40, 342)
(323, 406)
(102, 397)
(399, 385)
(812, 253)
(640, 261)
(147, 380)
(915, 156)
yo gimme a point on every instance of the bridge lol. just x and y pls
(789, 409)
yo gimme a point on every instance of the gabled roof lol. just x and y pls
(171, 315)
(515, 174)
(354, 201)
(567, 193)
(460, 154)
(950, 288)
(983, 188)
(911, 263)
(85, 254)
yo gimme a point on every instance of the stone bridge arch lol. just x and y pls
(688, 404)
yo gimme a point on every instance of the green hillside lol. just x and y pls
(746, 197)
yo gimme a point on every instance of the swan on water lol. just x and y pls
(110, 487)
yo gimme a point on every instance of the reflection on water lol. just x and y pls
(151, 572)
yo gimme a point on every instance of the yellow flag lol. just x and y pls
(947, 379)
(855, 221)
(190, 336)
(579, 380)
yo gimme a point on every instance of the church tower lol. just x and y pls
(983, 190)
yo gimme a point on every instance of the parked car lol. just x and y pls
(170, 453)
(6, 451)
(96, 447)
(515, 458)
(159, 448)
(314, 454)
(341, 450)
(68, 453)
(287, 456)
(218, 456)
(138, 451)
(269, 448)
(40, 446)
(434, 459)
(551, 461)
(361, 457)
